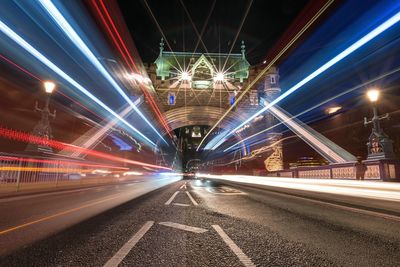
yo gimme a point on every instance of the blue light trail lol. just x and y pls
(371, 35)
(74, 37)
(20, 41)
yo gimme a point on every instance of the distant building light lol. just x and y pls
(264, 62)
(332, 110)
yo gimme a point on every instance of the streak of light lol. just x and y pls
(368, 37)
(60, 162)
(393, 71)
(19, 40)
(44, 169)
(28, 138)
(125, 53)
(74, 37)
(162, 33)
(39, 79)
(132, 173)
(365, 189)
(270, 64)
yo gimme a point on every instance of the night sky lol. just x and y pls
(264, 25)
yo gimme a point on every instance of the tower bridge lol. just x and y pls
(279, 150)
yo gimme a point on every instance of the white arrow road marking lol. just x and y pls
(121, 254)
(192, 199)
(235, 249)
(181, 204)
(184, 227)
(171, 198)
(183, 186)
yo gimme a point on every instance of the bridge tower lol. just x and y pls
(272, 90)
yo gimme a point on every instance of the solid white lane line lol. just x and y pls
(184, 227)
(171, 198)
(235, 249)
(192, 199)
(181, 204)
(121, 254)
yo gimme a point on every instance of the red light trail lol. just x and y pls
(125, 55)
(29, 138)
(60, 162)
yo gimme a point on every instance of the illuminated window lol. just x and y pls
(232, 98)
(171, 99)
(273, 80)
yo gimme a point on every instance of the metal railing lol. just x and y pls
(27, 172)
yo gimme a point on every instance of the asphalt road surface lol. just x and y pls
(193, 223)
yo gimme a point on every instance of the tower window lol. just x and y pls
(273, 80)
(171, 99)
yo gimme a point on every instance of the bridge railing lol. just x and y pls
(388, 170)
(26, 172)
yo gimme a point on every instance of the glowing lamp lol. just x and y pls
(49, 87)
(373, 95)
(219, 77)
(185, 76)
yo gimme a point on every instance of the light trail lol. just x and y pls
(270, 64)
(318, 105)
(20, 41)
(366, 189)
(39, 79)
(74, 37)
(60, 162)
(368, 37)
(28, 138)
(126, 55)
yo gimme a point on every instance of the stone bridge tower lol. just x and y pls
(272, 90)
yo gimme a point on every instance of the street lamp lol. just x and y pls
(379, 144)
(42, 128)
(49, 87)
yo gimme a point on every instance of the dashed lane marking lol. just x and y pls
(121, 254)
(184, 227)
(171, 198)
(181, 204)
(192, 199)
(235, 249)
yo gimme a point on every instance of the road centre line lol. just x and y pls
(171, 198)
(192, 199)
(124, 250)
(184, 227)
(235, 249)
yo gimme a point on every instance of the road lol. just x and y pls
(195, 223)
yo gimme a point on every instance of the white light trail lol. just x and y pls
(371, 35)
(20, 41)
(366, 189)
(74, 37)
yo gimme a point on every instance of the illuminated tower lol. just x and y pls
(272, 90)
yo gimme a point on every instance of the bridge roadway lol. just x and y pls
(194, 223)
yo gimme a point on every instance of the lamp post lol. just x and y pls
(42, 128)
(379, 145)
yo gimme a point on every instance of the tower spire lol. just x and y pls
(161, 46)
(243, 50)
